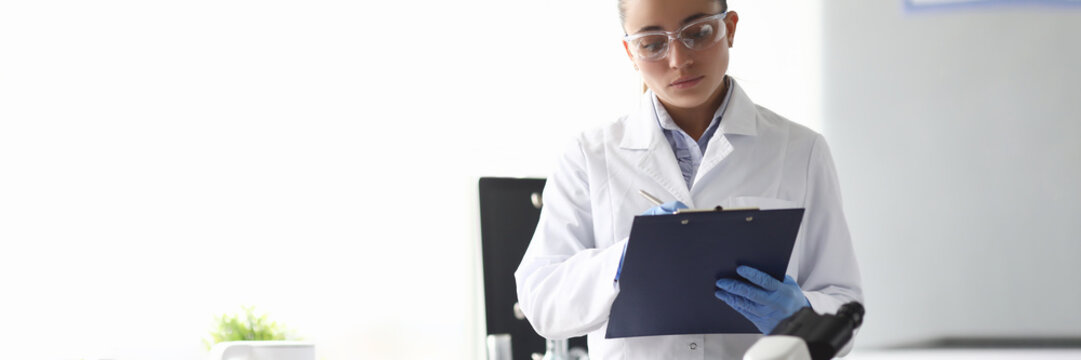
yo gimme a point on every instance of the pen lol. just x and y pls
(651, 198)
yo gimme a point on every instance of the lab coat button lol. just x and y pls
(694, 346)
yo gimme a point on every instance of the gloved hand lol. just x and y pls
(765, 301)
(621, 257)
(665, 209)
(662, 209)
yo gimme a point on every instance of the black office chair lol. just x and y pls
(509, 210)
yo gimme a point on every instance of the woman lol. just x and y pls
(699, 140)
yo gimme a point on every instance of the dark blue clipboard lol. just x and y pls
(673, 262)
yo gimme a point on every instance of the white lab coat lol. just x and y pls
(756, 158)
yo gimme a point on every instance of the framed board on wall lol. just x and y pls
(920, 5)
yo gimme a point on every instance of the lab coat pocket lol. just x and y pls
(762, 203)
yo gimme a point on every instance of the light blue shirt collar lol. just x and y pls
(683, 146)
(669, 125)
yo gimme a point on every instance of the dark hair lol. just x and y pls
(622, 13)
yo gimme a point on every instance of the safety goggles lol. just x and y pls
(698, 35)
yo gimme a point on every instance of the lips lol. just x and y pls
(686, 82)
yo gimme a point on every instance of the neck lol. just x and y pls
(694, 121)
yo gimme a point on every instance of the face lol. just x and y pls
(684, 78)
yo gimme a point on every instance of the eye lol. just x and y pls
(652, 43)
(703, 31)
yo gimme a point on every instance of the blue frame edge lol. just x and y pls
(910, 6)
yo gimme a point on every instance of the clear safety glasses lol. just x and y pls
(698, 35)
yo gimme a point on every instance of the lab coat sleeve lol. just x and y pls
(566, 285)
(829, 275)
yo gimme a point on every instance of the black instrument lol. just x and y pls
(825, 335)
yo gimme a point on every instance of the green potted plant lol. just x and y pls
(253, 336)
(247, 326)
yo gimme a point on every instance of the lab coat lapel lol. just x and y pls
(719, 148)
(739, 119)
(643, 139)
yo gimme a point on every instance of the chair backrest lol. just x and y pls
(509, 210)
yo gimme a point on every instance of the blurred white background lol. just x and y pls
(164, 162)
(954, 128)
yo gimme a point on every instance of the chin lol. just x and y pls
(685, 100)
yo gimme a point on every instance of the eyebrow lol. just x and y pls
(685, 21)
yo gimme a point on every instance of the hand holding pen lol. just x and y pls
(661, 208)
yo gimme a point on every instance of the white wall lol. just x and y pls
(777, 57)
(164, 162)
(955, 135)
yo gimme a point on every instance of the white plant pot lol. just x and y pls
(262, 350)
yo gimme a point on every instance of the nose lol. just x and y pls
(678, 54)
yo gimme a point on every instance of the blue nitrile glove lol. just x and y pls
(766, 304)
(665, 209)
(620, 268)
(662, 209)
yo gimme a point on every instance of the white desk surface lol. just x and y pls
(967, 354)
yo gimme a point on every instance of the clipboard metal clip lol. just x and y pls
(716, 209)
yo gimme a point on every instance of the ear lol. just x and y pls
(730, 22)
(629, 56)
